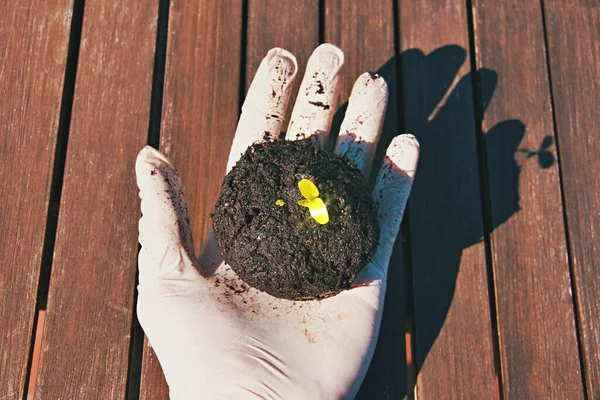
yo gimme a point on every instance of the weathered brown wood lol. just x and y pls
(365, 32)
(536, 321)
(85, 352)
(289, 24)
(153, 384)
(35, 37)
(573, 34)
(200, 110)
(453, 331)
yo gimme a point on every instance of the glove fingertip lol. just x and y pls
(147, 162)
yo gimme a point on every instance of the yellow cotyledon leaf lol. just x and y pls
(318, 211)
(308, 189)
(316, 206)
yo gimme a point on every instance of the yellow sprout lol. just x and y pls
(315, 205)
(280, 203)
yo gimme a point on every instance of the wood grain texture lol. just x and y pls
(152, 384)
(86, 343)
(453, 332)
(35, 37)
(365, 32)
(536, 320)
(200, 110)
(573, 34)
(289, 24)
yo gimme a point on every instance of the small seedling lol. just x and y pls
(316, 206)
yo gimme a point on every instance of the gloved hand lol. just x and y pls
(217, 338)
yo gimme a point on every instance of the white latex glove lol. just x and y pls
(215, 337)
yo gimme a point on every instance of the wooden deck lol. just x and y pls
(494, 288)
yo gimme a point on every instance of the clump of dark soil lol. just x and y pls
(281, 249)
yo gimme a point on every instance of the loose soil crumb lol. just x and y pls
(320, 104)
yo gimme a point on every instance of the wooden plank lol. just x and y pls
(200, 110)
(365, 32)
(153, 384)
(289, 24)
(573, 34)
(35, 37)
(536, 321)
(89, 316)
(453, 332)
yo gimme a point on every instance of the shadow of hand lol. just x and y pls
(445, 208)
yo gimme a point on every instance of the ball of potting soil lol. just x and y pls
(295, 221)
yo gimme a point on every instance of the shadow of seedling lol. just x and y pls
(544, 156)
(445, 209)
